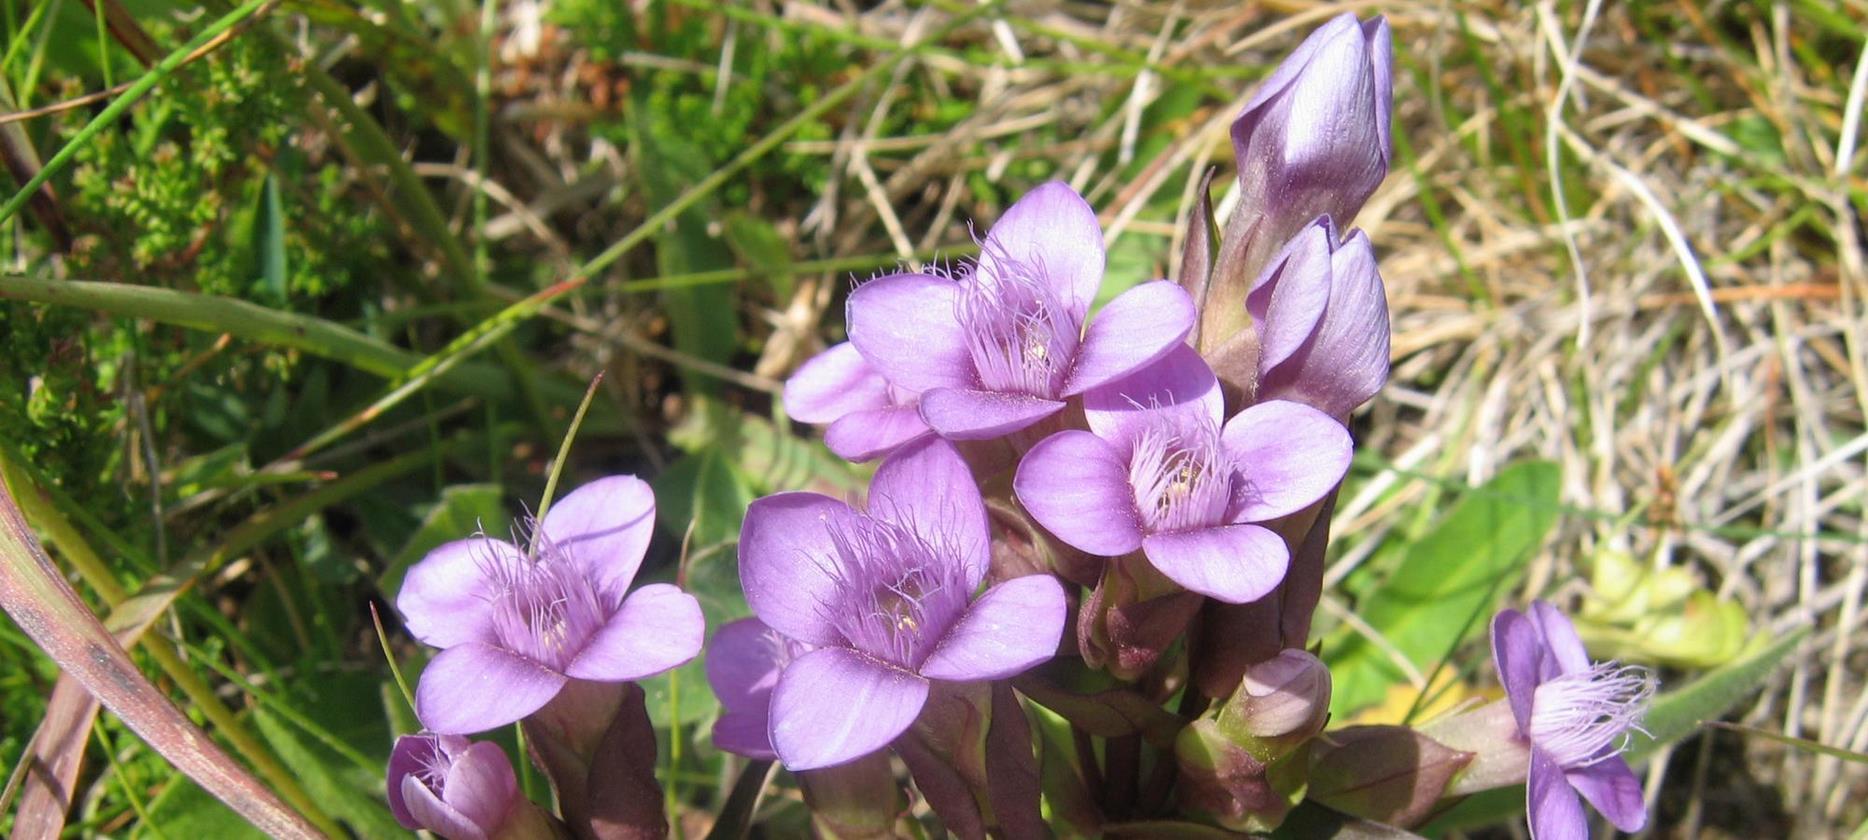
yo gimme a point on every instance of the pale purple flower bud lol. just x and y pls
(1002, 345)
(1314, 139)
(1157, 472)
(866, 417)
(455, 788)
(884, 595)
(1576, 716)
(1282, 697)
(517, 625)
(1322, 319)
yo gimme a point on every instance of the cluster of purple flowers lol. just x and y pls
(1172, 454)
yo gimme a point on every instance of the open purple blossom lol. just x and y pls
(867, 417)
(1314, 139)
(456, 788)
(516, 624)
(1157, 472)
(1576, 716)
(743, 663)
(885, 596)
(1002, 345)
(1322, 320)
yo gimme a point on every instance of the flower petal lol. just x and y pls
(446, 599)
(1140, 326)
(1560, 639)
(743, 662)
(1516, 651)
(1053, 229)
(906, 327)
(428, 811)
(1012, 627)
(604, 527)
(1555, 811)
(964, 414)
(832, 384)
(1230, 563)
(658, 627)
(1344, 361)
(475, 687)
(745, 733)
(864, 435)
(411, 755)
(836, 705)
(1179, 385)
(1290, 454)
(481, 785)
(785, 557)
(1610, 785)
(1077, 486)
(927, 488)
(1289, 298)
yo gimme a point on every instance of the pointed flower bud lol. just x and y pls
(1321, 315)
(459, 790)
(1283, 698)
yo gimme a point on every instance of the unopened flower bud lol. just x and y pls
(1287, 696)
(459, 790)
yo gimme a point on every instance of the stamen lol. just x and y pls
(545, 609)
(432, 768)
(1584, 717)
(897, 592)
(1180, 476)
(1020, 336)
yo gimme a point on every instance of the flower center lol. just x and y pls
(545, 608)
(1180, 477)
(897, 593)
(1582, 718)
(1021, 338)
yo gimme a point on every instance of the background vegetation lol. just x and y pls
(300, 289)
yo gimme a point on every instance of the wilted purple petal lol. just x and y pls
(1179, 388)
(603, 527)
(1289, 454)
(905, 326)
(474, 687)
(1230, 563)
(1077, 486)
(835, 705)
(445, 600)
(865, 435)
(1136, 328)
(1515, 652)
(1012, 627)
(966, 414)
(929, 488)
(1610, 785)
(1054, 228)
(832, 384)
(785, 560)
(1556, 812)
(657, 628)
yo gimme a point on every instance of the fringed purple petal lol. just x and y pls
(927, 488)
(1077, 486)
(832, 384)
(657, 628)
(1555, 811)
(446, 598)
(964, 414)
(604, 527)
(474, 687)
(1179, 386)
(906, 326)
(1011, 628)
(835, 705)
(1611, 786)
(866, 435)
(1230, 563)
(785, 560)
(1055, 230)
(1289, 455)
(1136, 328)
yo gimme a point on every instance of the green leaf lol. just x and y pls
(703, 489)
(463, 510)
(271, 243)
(1679, 713)
(762, 250)
(336, 784)
(1447, 582)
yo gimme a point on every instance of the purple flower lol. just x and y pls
(1575, 715)
(1322, 318)
(885, 596)
(743, 664)
(1314, 139)
(867, 416)
(1158, 472)
(517, 625)
(450, 786)
(1002, 346)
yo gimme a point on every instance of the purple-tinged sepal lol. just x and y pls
(1389, 774)
(1247, 762)
(460, 790)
